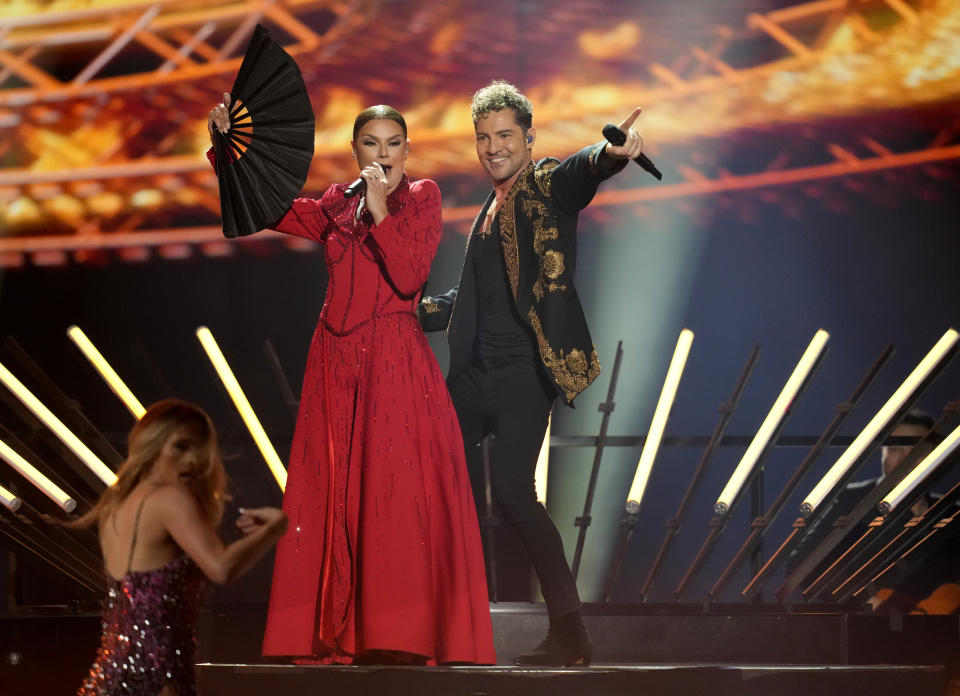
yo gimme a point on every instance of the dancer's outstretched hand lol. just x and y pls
(254, 519)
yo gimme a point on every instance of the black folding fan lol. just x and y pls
(263, 160)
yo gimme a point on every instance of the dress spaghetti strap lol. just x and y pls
(136, 527)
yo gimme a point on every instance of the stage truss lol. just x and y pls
(103, 147)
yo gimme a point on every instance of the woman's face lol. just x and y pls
(180, 457)
(381, 140)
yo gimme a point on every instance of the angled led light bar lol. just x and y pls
(880, 421)
(920, 472)
(543, 466)
(659, 423)
(29, 472)
(9, 500)
(243, 406)
(56, 426)
(101, 365)
(770, 424)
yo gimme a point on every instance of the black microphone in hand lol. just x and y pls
(355, 188)
(615, 136)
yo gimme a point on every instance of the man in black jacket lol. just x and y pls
(518, 337)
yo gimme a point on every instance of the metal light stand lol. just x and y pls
(878, 543)
(674, 523)
(489, 520)
(813, 559)
(839, 530)
(289, 398)
(930, 528)
(26, 528)
(82, 497)
(719, 522)
(71, 413)
(606, 408)
(627, 524)
(877, 532)
(760, 524)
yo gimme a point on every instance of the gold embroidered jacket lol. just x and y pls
(537, 226)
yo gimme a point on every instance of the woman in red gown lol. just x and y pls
(382, 561)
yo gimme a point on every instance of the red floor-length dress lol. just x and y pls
(383, 550)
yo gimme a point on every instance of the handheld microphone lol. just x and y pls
(355, 188)
(617, 137)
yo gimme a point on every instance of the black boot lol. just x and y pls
(567, 643)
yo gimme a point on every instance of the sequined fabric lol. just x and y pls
(383, 550)
(149, 632)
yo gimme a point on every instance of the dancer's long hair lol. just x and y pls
(144, 445)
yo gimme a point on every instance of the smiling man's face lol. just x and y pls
(503, 147)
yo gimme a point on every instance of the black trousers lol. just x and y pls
(512, 399)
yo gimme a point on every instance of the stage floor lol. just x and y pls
(637, 650)
(599, 680)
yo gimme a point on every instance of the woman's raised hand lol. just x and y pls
(219, 117)
(376, 195)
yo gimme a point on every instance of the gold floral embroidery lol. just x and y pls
(595, 155)
(543, 234)
(430, 307)
(572, 372)
(544, 224)
(576, 362)
(542, 175)
(553, 264)
(508, 230)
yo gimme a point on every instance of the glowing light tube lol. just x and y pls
(770, 424)
(243, 406)
(101, 365)
(543, 466)
(659, 422)
(920, 472)
(56, 426)
(29, 472)
(880, 421)
(9, 500)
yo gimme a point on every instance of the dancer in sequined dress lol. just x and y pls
(383, 561)
(158, 535)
